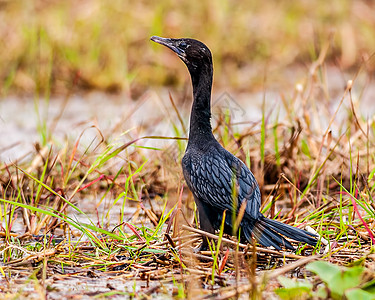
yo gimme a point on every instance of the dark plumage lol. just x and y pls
(212, 173)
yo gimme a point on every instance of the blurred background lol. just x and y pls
(94, 60)
(47, 47)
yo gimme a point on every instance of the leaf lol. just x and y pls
(293, 289)
(305, 148)
(358, 294)
(338, 279)
(324, 270)
(369, 286)
(289, 283)
(293, 293)
(322, 293)
(346, 279)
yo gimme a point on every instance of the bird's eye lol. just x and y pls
(182, 45)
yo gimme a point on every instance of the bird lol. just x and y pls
(219, 181)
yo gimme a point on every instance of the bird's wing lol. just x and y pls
(213, 177)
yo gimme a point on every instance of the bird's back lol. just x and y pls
(218, 178)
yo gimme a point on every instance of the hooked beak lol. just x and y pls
(170, 43)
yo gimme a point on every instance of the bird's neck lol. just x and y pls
(200, 118)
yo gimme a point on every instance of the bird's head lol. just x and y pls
(193, 53)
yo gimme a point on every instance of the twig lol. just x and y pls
(243, 246)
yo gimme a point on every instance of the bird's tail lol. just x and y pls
(271, 233)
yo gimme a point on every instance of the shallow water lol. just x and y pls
(153, 113)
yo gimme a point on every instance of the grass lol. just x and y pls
(49, 46)
(311, 177)
(119, 216)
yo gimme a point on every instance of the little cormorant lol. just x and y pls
(212, 173)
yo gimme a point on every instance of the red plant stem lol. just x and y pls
(224, 261)
(132, 228)
(360, 217)
(92, 182)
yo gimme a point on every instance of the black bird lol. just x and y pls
(213, 174)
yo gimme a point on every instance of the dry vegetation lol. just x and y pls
(109, 220)
(49, 44)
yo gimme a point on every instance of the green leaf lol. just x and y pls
(289, 283)
(369, 286)
(293, 289)
(293, 293)
(338, 279)
(305, 148)
(358, 294)
(322, 293)
(346, 279)
(371, 175)
(324, 270)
